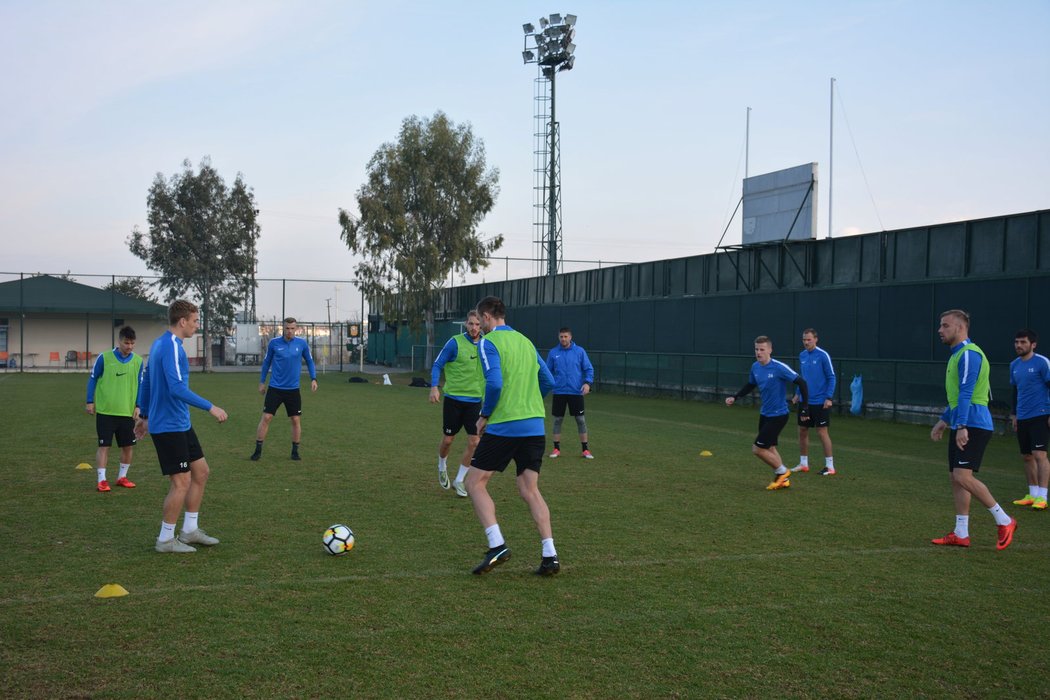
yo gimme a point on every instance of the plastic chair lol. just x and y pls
(54, 358)
(82, 357)
(3, 358)
(71, 356)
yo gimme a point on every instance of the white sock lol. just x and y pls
(1033, 490)
(1001, 518)
(829, 462)
(442, 466)
(101, 474)
(462, 473)
(123, 470)
(780, 470)
(804, 460)
(962, 526)
(189, 523)
(548, 547)
(1042, 492)
(167, 531)
(494, 535)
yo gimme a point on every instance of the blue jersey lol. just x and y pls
(449, 353)
(815, 367)
(286, 357)
(164, 396)
(490, 363)
(571, 369)
(772, 380)
(1031, 378)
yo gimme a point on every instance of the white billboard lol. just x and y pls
(773, 201)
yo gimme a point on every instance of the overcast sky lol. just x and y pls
(941, 114)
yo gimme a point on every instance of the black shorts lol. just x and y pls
(122, 426)
(1033, 434)
(970, 457)
(819, 417)
(573, 401)
(176, 451)
(769, 428)
(460, 414)
(291, 398)
(495, 452)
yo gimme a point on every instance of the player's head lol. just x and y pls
(809, 339)
(492, 313)
(473, 324)
(763, 348)
(126, 340)
(1025, 341)
(184, 318)
(954, 327)
(289, 328)
(565, 336)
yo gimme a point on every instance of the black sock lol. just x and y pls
(295, 447)
(585, 448)
(557, 445)
(258, 445)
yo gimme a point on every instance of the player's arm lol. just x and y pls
(545, 376)
(96, 373)
(744, 391)
(1013, 405)
(267, 361)
(833, 382)
(588, 371)
(310, 368)
(179, 384)
(142, 405)
(803, 390)
(970, 369)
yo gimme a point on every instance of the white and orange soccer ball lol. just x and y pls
(338, 539)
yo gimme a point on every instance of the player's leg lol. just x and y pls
(104, 430)
(765, 448)
(1042, 463)
(558, 405)
(829, 460)
(803, 450)
(297, 433)
(576, 411)
(199, 473)
(493, 454)
(293, 406)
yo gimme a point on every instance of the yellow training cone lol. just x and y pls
(706, 453)
(84, 465)
(111, 590)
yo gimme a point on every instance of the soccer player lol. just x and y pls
(772, 378)
(970, 422)
(573, 376)
(511, 427)
(464, 387)
(815, 367)
(1030, 378)
(286, 355)
(164, 412)
(112, 390)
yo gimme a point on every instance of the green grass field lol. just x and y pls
(681, 576)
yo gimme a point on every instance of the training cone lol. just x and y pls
(706, 453)
(83, 465)
(111, 590)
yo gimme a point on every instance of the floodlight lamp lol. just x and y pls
(569, 36)
(548, 71)
(569, 49)
(529, 29)
(543, 22)
(570, 20)
(556, 18)
(568, 64)
(527, 56)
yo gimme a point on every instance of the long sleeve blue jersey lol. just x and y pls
(164, 395)
(967, 413)
(490, 362)
(815, 367)
(571, 368)
(286, 358)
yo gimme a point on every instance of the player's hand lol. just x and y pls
(938, 430)
(962, 436)
(1013, 422)
(827, 403)
(141, 428)
(90, 408)
(730, 400)
(220, 415)
(313, 385)
(586, 389)
(803, 414)
(794, 399)
(262, 387)
(482, 422)
(435, 394)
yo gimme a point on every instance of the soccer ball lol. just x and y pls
(338, 539)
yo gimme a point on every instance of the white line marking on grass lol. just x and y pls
(584, 565)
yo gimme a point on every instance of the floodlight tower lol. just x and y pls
(552, 52)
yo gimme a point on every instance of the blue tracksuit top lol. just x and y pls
(286, 357)
(815, 367)
(571, 369)
(966, 413)
(490, 363)
(164, 395)
(1031, 378)
(772, 380)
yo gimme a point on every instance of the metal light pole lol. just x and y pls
(553, 52)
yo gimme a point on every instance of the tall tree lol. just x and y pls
(134, 287)
(419, 213)
(201, 239)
